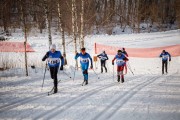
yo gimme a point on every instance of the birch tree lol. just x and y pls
(24, 21)
(82, 24)
(48, 21)
(61, 26)
(74, 32)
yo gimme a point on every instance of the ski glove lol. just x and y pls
(169, 59)
(61, 68)
(112, 63)
(91, 67)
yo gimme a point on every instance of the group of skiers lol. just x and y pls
(53, 58)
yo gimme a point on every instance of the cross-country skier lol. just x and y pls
(124, 52)
(165, 55)
(103, 57)
(121, 62)
(126, 55)
(53, 58)
(84, 60)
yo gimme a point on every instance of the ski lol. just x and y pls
(50, 93)
(83, 83)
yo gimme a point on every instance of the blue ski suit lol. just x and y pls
(53, 60)
(84, 61)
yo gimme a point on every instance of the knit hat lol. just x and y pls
(53, 46)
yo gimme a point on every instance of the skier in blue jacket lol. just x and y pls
(165, 56)
(53, 58)
(84, 61)
(103, 57)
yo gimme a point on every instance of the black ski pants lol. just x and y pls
(103, 64)
(164, 65)
(53, 72)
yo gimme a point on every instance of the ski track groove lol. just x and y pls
(76, 100)
(16, 103)
(125, 98)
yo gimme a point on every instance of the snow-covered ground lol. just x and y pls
(146, 95)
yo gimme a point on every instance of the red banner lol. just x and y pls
(14, 47)
(174, 50)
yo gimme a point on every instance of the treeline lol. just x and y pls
(97, 14)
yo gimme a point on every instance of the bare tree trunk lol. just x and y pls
(82, 24)
(138, 16)
(73, 29)
(48, 23)
(23, 17)
(76, 23)
(61, 26)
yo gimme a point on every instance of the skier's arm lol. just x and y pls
(91, 61)
(45, 57)
(127, 54)
(99, 56)
(125, 59)
(169, 57)
(113, 60)
(160, 55)
(107, 57)
(62, 62)
(76, 56)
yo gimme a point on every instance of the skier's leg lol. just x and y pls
(166, 62)
(122, 76)
(55, 79)
(51, 72)
(162, 67)
(104, 65)
(118, 73)
(85, 73)
(101, 66)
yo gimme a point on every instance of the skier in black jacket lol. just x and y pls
(103, 57)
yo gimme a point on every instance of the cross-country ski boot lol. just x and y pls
(86, 82)
(55, 86)
(122, 79)
(118, 78)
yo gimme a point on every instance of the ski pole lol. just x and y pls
(75, 71)
(130, 68)
(66, 74)
(113, 72)
(96, 74)
(44, 76)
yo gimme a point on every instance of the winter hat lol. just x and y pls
(53, 46)
(119, 51)
(83, 49)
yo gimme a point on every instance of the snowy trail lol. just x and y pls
(102, 99)
(147, 95)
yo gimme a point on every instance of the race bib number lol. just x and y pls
(120, 62)
(84, 60)
(165, 56)
(53, 61)
(103, 58)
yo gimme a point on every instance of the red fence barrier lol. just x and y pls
(14, 47)
(174, 50)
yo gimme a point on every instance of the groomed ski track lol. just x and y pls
(141, 97)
